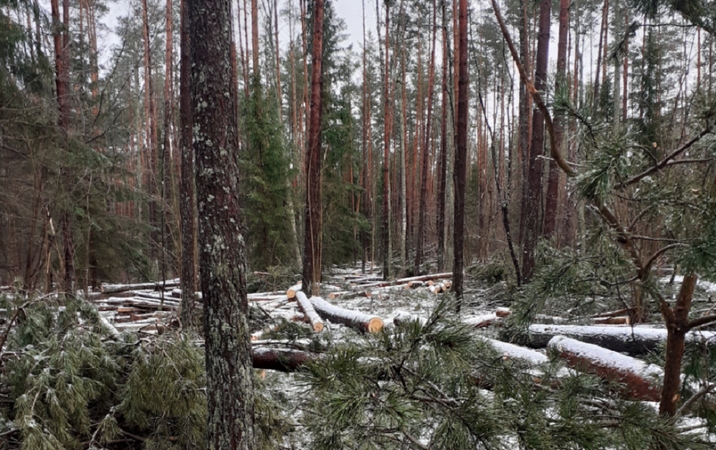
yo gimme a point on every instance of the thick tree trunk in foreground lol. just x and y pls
(461, 158)
(312, 240)
(187, 206)
(230, 419)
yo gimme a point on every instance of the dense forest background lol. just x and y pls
(635, 77)
(564, 149)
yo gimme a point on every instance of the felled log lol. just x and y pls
(503, 312)
(403, 318)
(482, 321)
(350, 318)
(282, 360)
(640, 379)
(619, 312)
(633, 341)
(157, 286)
(291, 292)
(307, 308)
(614, 320)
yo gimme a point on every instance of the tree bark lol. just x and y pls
(312, 240)
(531, 204)
(230, 418)
(442, 161)
(426, 148)
(552, 201)
(187, 205)
(677, 325)
(150, 168)
(388, 126)
(61, 42)
(461, 159)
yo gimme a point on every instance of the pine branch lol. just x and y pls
(701, 321)
(664, 162)
(687, 404)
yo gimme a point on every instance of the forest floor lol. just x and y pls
(485, 307)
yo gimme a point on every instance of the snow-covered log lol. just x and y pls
(305, 305)
(353, 319)
(291, 292)
(283, 360)
(615, 320)
(641, 380)
(482, 321)
(159, 285)
(634, 341)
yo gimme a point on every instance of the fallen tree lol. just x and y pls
(641, 380)
(354, 319)
(633, 341)
(280, 359)
(157, 286)
(307, 308)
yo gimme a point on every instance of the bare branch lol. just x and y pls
(664, 162)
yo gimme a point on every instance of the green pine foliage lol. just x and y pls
(66, 384)
(436, 385)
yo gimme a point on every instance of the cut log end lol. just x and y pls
(318, 327)
(375, 324)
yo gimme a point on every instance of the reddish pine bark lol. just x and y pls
(552, 201)
(677, 325)
(230, 415)
(531, 204)
(426, 149)
(312, 240)
(461, 158)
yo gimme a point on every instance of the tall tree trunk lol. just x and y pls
(461, 158)
(255, 36)
(552, 201)
(167, 185)
(312, 240)
(151, 131)
(230, 400)
(388, 113)
(279, 94)
(602, 44)
(531, 205)
(525, 115)
(61, 42)
(187, 205)
(366, 156)
(426, 148)
(442, 161)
